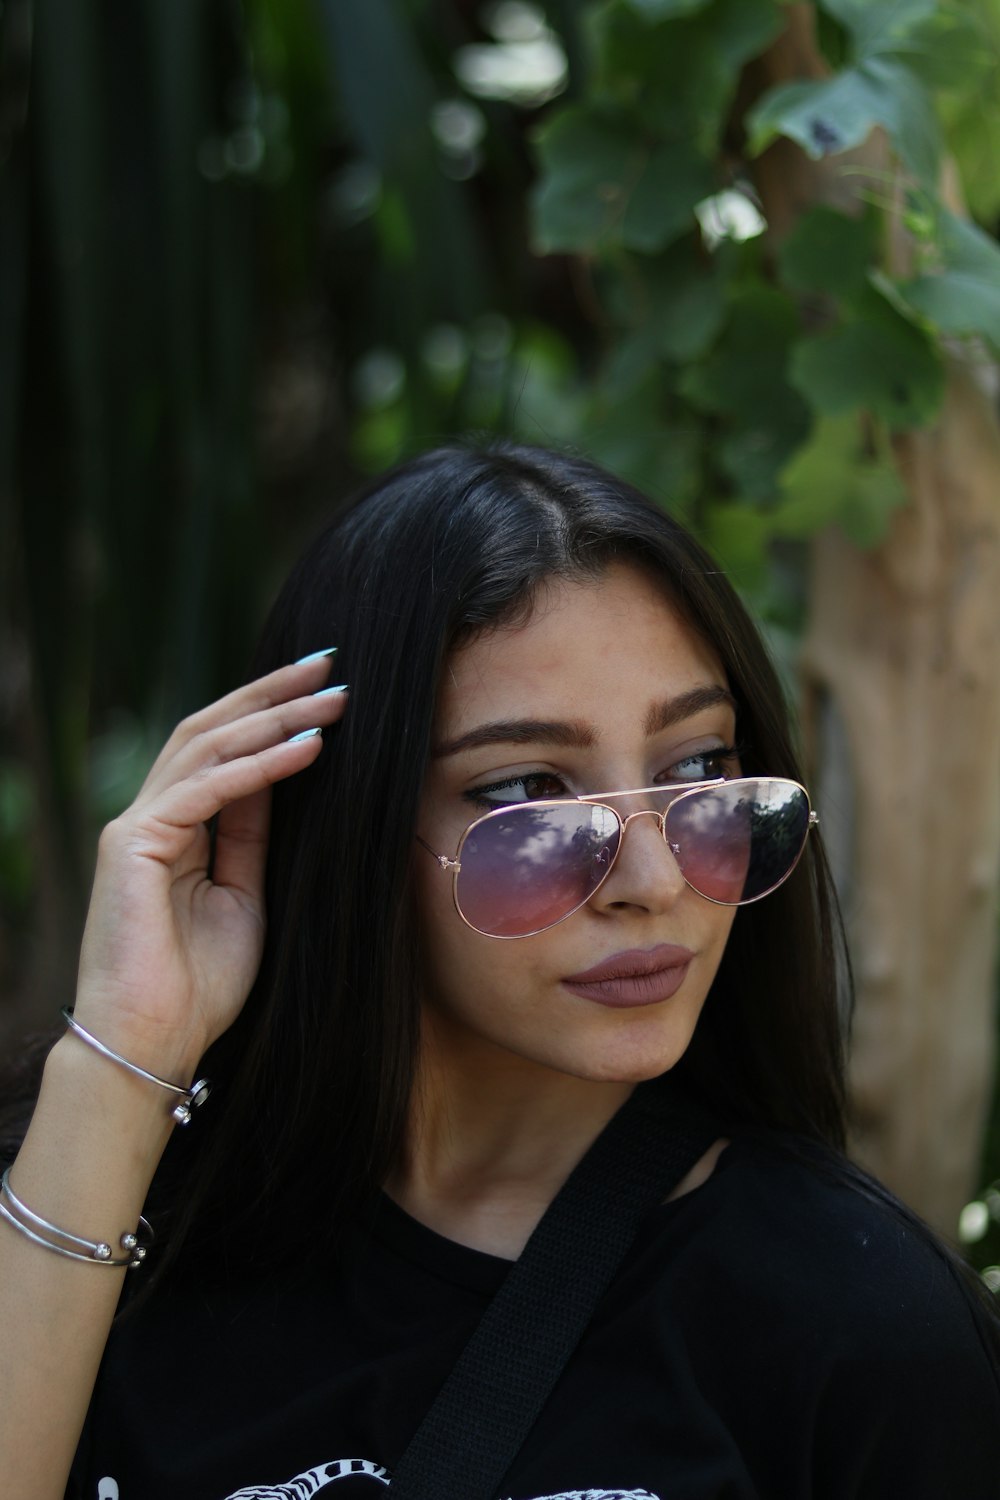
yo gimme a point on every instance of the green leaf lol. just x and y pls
(678, 75)
(673, 304)
(877, 361)
(602, 186)
(964, 296)
(878, 25)
(834, 479)
(386, 90)
(742, 29)
(686, 301)
(394, 228)
(661, 203)
(740, 375)
(662, 10)
(545, 402)
(639, 439)
(737, 536)
(586, 160)
(753, 455)
(909, 117)
(744, 380)
(630, 361)
(836, 114)
(970, 111)
(831, 252)
(951, 48)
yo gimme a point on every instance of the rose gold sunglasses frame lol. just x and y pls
(684, 791)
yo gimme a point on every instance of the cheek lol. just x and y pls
(722, 921)
(464, 974)
(449, 949)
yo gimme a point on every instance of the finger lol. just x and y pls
(162, 829)
(298, 679)
(246, 736)
(241, 846)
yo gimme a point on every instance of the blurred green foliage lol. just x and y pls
(252, 251)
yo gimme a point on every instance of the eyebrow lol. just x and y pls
(573, 734)
(675, 710)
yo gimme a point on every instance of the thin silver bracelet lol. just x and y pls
(98, 1252)
(190, 1098)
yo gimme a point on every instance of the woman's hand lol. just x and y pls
(169, 951)
(169, 955)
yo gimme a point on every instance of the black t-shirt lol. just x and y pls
(772, 1334)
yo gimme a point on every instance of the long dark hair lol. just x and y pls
(315, 1076)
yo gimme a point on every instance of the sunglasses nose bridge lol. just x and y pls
(645, 871)
(661, 823)
(644, 812)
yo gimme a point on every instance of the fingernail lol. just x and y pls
(341, 687)
(306, 734)
(315, 656)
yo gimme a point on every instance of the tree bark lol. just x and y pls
(901, 707)
(901, 666)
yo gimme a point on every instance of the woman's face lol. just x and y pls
(605, 688)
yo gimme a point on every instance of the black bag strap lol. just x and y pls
(502, 1379)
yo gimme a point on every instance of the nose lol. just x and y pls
(645, 874)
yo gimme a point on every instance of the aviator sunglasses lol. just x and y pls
(519, 870)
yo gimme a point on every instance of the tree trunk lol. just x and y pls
(902, 666)
(901, 669)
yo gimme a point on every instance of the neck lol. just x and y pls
(492, 1138)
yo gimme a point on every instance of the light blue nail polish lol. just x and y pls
(315, 656)
(307, 734)
(341, 687)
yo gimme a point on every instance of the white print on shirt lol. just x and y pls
(304, 1486)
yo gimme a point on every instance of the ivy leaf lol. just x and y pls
(950, 48)
(752, 455)
(740, 374)
(908, 116)
(629, 362)
(878, 361)
(661, 10)
(876, 26)
(744, 380)
(673, 305)
(836, 114)
(741, 29)
(964, 296)
(828, 251)
(738, 536)
(685, 300)
(678, 75)
(602, 186)
(544, 401)
(579, 199)
(833, 480)
(661, 203)
(637, 439)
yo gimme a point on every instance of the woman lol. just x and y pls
(453, 1017)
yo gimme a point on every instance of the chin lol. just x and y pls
(625, 1066)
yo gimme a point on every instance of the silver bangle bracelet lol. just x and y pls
(190, 1098)
(98, 1252)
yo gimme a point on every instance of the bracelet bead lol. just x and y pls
(190, 1098)
(51, 1237)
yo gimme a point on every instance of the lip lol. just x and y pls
(634, 977)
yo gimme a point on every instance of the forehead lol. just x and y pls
(599, 648)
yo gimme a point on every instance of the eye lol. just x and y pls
(719, 763)
(529, 786)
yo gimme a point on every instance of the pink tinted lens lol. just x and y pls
(737, 842)
(525, 868)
